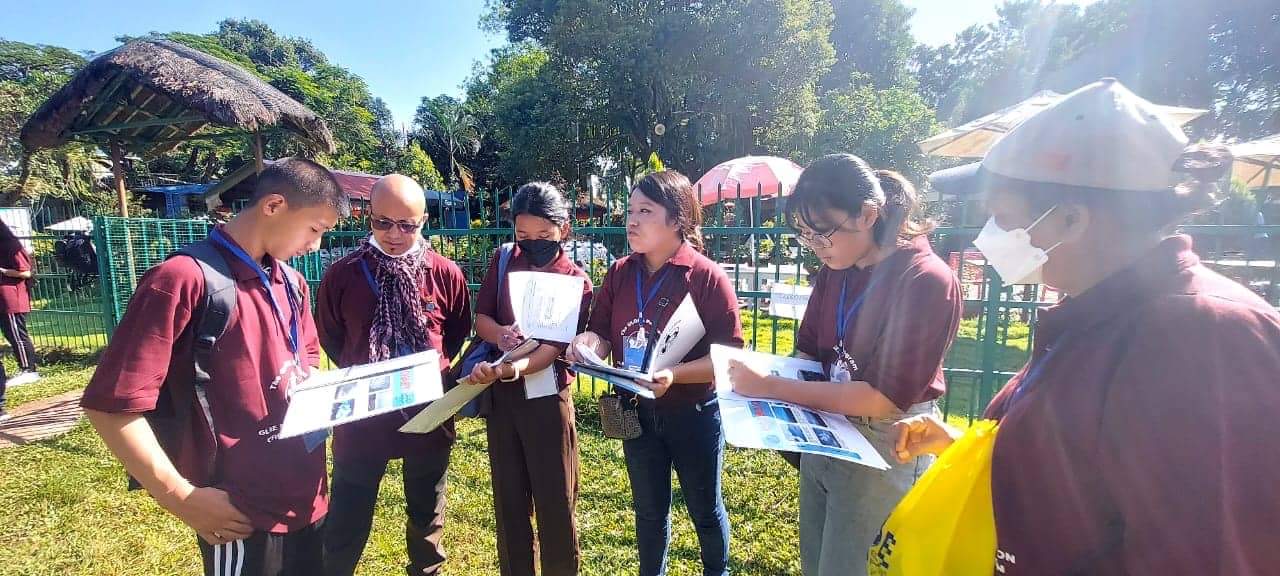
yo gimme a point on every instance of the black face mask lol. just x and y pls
(539, 252)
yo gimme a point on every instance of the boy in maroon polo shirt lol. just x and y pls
(261, 509)
(391, 297)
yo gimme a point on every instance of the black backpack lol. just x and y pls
(171, 418)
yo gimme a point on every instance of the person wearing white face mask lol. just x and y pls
(1139, 438)
(393, 296)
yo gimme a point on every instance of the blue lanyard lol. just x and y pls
(1033, 373)
(842, 316)
(368, 276)
(643, 301)
(292, 335)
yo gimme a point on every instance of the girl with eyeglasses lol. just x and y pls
(883, 313)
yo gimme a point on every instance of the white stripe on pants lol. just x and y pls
(228, 559)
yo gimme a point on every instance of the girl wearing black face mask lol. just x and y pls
(533, 452)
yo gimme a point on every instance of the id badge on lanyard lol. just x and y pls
(635, 353)
(843, 366)
(310, 440)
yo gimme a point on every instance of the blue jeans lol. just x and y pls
(690, 440)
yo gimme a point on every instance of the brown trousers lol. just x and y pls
(533, 458)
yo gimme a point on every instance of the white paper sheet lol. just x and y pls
(789, 301)
(336, 397)
(764, 423)
(683, 331)
(593, 365)
(546, 305)
(541, 384)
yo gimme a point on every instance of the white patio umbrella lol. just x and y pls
(77, 224)
(1257, 162)
(973, 139)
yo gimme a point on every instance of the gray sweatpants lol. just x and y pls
(843, 504)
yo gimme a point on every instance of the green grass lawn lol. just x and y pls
(64, 508)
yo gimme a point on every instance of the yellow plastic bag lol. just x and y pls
(945, 525)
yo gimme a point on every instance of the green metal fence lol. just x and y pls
(65, 305)
(749, 234)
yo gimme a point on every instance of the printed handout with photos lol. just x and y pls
(776, 425)
(546, 305)
(336, 397)
(683, 331)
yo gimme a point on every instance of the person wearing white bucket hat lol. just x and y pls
(1139, 438)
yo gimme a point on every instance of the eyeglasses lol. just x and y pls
(819, 241)
(383, 224)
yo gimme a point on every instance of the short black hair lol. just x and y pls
(302, 183)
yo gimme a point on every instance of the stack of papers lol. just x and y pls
(683, 331)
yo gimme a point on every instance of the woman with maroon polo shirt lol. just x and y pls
(681, 428)
(883, 312)
(15, 304)
(533, 439)
(1140, 437)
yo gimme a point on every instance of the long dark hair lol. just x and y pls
(541, 199)
(847, 183)
(674, 192)
(1202, 167)
(7, 236)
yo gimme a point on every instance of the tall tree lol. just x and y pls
(872, 38)
(446, 125)
(695, 82)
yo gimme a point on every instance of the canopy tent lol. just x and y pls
(77, 224)
(973, 139)
(1257, 162)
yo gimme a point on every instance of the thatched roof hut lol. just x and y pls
(149, 95)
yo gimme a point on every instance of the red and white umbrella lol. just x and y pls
(763, 176)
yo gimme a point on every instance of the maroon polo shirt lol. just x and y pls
(497, 305)
(14, 298)
(901, 334)
(1147, 444)
(344, 316)
(690, 273)
(276, 483)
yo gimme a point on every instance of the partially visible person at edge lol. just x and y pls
(681, 428)
(883, 313)
(1140, 436)
(533, 438)
(16, 271)
(261, 511)
(392, 297)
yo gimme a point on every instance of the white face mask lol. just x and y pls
(1011, 252)
(417, 245)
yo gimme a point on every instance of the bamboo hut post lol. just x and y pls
(117, 173)
(257, 152)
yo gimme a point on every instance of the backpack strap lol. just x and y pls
(504, 258)
(213, 314)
